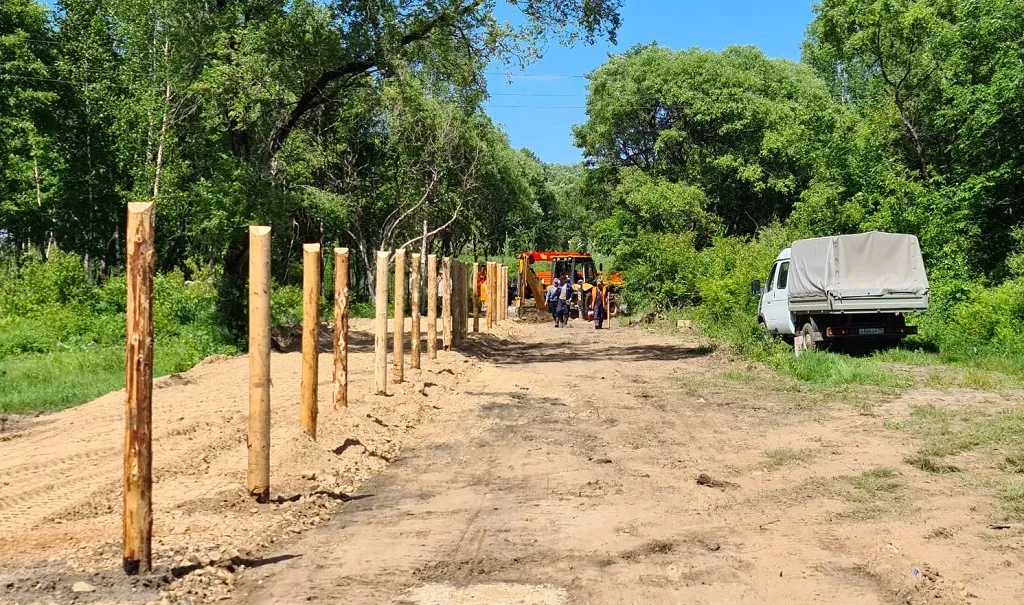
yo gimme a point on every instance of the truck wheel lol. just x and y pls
(804, 341)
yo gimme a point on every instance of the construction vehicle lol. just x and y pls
(537, 270)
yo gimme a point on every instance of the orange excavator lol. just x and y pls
(538, 269)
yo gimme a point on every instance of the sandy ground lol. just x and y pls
(542, 466)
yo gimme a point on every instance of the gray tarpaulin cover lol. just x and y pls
(867, 265)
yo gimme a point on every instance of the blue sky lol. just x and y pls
(541, 104)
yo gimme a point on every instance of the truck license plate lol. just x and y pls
(871, 331)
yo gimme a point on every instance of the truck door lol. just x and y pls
(775, 302)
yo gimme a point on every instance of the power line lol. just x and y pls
(539, 94)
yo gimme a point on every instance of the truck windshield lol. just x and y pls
(771, 279)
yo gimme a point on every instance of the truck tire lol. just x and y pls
(804, 341)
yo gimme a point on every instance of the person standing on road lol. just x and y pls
(564, 293)
(600, 304)
(551, 297)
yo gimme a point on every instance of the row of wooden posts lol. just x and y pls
(459, 295)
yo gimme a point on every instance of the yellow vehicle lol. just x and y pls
(537, 270)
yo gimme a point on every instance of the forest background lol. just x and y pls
(361, 124)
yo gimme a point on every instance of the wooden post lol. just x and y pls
(446, 302)
(310, 336)
(492, 306)
(465, 300)
(380, 348)
(259, 363)
(488, 282)
(461, 299)
(138, 417)
(502, 289)
(476, 296)
(456, 305)
(399, 325)
(340, 328)
(432, 306)
(414, 307)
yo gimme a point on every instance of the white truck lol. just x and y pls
(844, 288)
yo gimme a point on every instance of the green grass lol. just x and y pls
(948, 433)
(780, 457)
(1011, 494)
(834, 370)
(875, 483)
(48, 382)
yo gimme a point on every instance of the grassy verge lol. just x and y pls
(46, 382)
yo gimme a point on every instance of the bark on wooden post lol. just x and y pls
(461, 299)
(432, 306)
(380, 348)
(414, 307)
(399, 324)
(456, 305)
(259, 363)
(495, 270)
(465, 300)
(502, 276)
(340, 328)
(138, 418)
(474, 280)
(310, 336)
(488, 283)
(463, 306)
(446, 301)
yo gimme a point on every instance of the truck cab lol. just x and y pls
(773, 309)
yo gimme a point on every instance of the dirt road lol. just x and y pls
(534, 466)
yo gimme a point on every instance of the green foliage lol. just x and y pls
(62, 337)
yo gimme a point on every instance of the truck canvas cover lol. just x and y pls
(871, 265)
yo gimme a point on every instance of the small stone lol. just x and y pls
(254, 510)
(421, 388)
(204, 560)
(310, 475)
(214, 556)
(82, 587)
(232, 554)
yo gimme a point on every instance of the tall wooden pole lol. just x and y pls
(474, 280)
(138, 417)
(465, 300)
(380, 349)
(432, 306)
(456, 307)
(310, 336)
(492, 305)
(502, 276)
(414, 307)
(340, 328)
(488, 283)
(460, 302)
(399, 327)
(446, 302)
(460, 298)
(259, 363)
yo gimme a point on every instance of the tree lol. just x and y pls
(747, 130)
(29, 164)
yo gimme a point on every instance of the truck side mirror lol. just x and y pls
(755, 288)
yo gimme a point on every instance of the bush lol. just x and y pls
(62, 337)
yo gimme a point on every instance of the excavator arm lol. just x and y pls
(536, 287)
